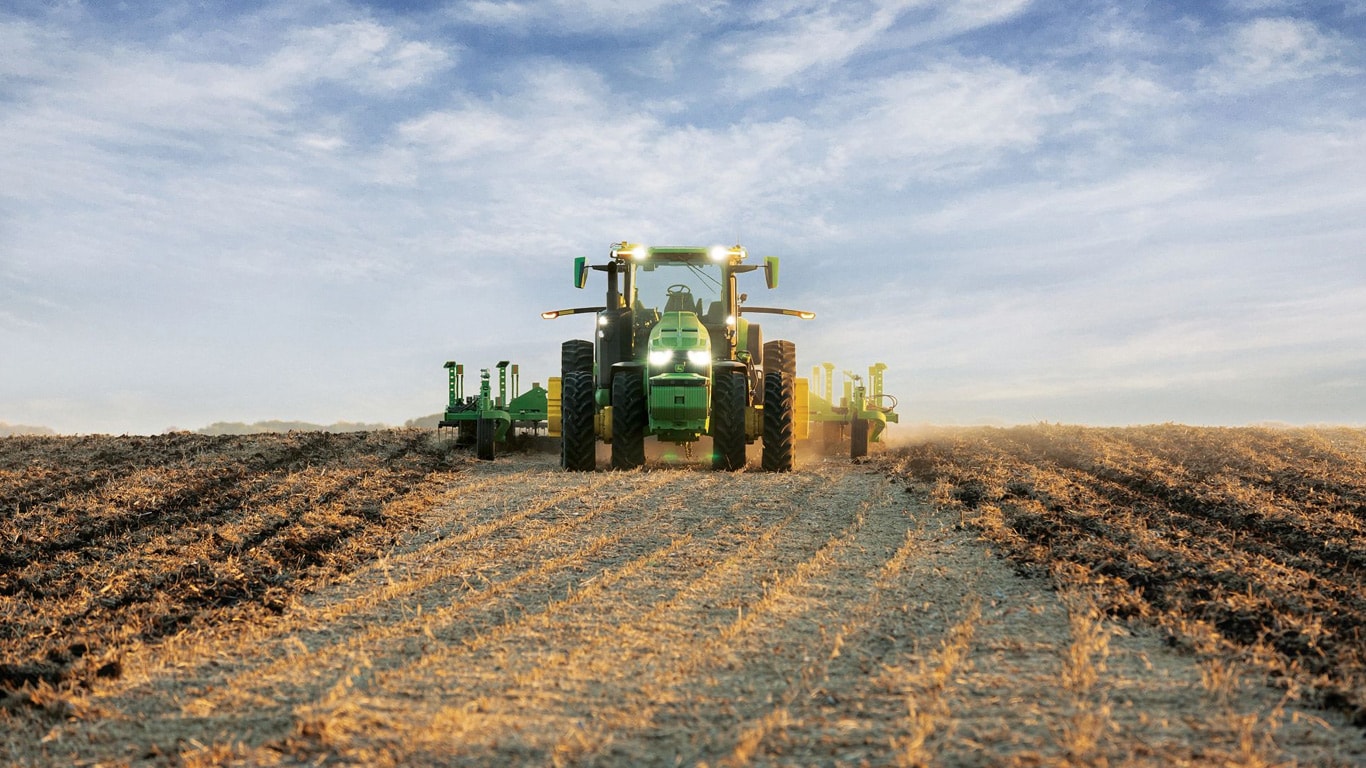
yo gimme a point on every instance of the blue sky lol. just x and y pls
(1087, 212)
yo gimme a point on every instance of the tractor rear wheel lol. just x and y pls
(628, 419)
(779, 453)
(781, 356)
(578, 443)
(728, 421)
(576, 355)
(484, 439)
(858, 439)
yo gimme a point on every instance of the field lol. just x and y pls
(1034, 596)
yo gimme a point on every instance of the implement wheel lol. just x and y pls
(628, 419)
(779, 452)
(728, 421)
(465, 433)
(858, 439)
(578, 444)
(484, 438)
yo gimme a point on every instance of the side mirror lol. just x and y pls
(580, 271)
(771, 271)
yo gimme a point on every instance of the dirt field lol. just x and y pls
(373, 600)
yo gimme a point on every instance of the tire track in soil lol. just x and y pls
(364, 588)
(668, 563)
(625, 633)
(335, 628)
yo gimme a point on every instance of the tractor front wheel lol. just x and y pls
(728, 421)
(628, 419)
(779, 453)
(484, 434)
(578, 443)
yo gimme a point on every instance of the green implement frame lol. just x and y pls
(486, 419)
(861, 414)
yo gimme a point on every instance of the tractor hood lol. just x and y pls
(679, 343)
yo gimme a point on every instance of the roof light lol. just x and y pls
(718, 253)
(551, 315)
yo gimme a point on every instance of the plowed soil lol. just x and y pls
(383, 600)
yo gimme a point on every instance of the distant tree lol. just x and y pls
(424, 422)
(12, 430)
(240, 428)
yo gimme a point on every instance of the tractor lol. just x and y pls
(675, 357)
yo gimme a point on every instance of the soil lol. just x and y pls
(385, 600)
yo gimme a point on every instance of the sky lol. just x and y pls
(1030, 210)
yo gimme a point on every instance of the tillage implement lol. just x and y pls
(486, 419)
(675, 356)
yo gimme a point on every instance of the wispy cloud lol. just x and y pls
(1271, 51)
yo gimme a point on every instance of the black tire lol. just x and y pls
(576, 355)
(465, 433)
(779, 451)
(578, 444)
(781, 356)
(858, 439)
(484, 439)
(728, 421)
(628, 419)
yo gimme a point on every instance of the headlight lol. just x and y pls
(718, 252)
(660, 357)
(699, 356)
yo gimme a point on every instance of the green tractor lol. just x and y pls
(675, 357)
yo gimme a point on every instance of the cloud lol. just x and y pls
(1271, 51)
(575, 16)
(947, 120)
(788, 40)
(363, 55)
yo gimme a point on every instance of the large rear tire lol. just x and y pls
(728, 421)
(779, 453)
(576, 355)
(628, 419)
(781, 356)
(858, 439)
(484, 434)
(578, 444)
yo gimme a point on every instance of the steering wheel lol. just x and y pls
(679, 289)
